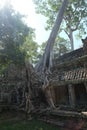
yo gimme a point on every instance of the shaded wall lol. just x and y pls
(81, 95)
(60, 95)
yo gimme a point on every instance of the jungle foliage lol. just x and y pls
(75, 16)
(16, 39)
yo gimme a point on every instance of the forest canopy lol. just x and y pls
(16, 39)
(74, 20)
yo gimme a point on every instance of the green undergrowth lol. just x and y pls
(26, 125)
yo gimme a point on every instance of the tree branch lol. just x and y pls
(74, 29)
(66, 33)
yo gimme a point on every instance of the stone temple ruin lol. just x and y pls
(62, 95)
(69, 78)
(67, 83)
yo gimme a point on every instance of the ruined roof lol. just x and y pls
(69, 56)
(69, 68)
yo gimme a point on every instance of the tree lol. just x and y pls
(75, 16)
(46, 61)
(13, 32)
(61, 47)
(30, 47)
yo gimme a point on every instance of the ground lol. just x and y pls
(14, 120)
(17, 121)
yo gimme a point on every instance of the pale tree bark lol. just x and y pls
(71, 40)
(47, 56)
(71, 30)
(46, 61)
(28, 93)
(70, 36)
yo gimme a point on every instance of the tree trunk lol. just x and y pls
(28, 91)
(46, 61)
(47, 57)
(71, 39)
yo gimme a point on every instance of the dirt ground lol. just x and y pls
(15, 116)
